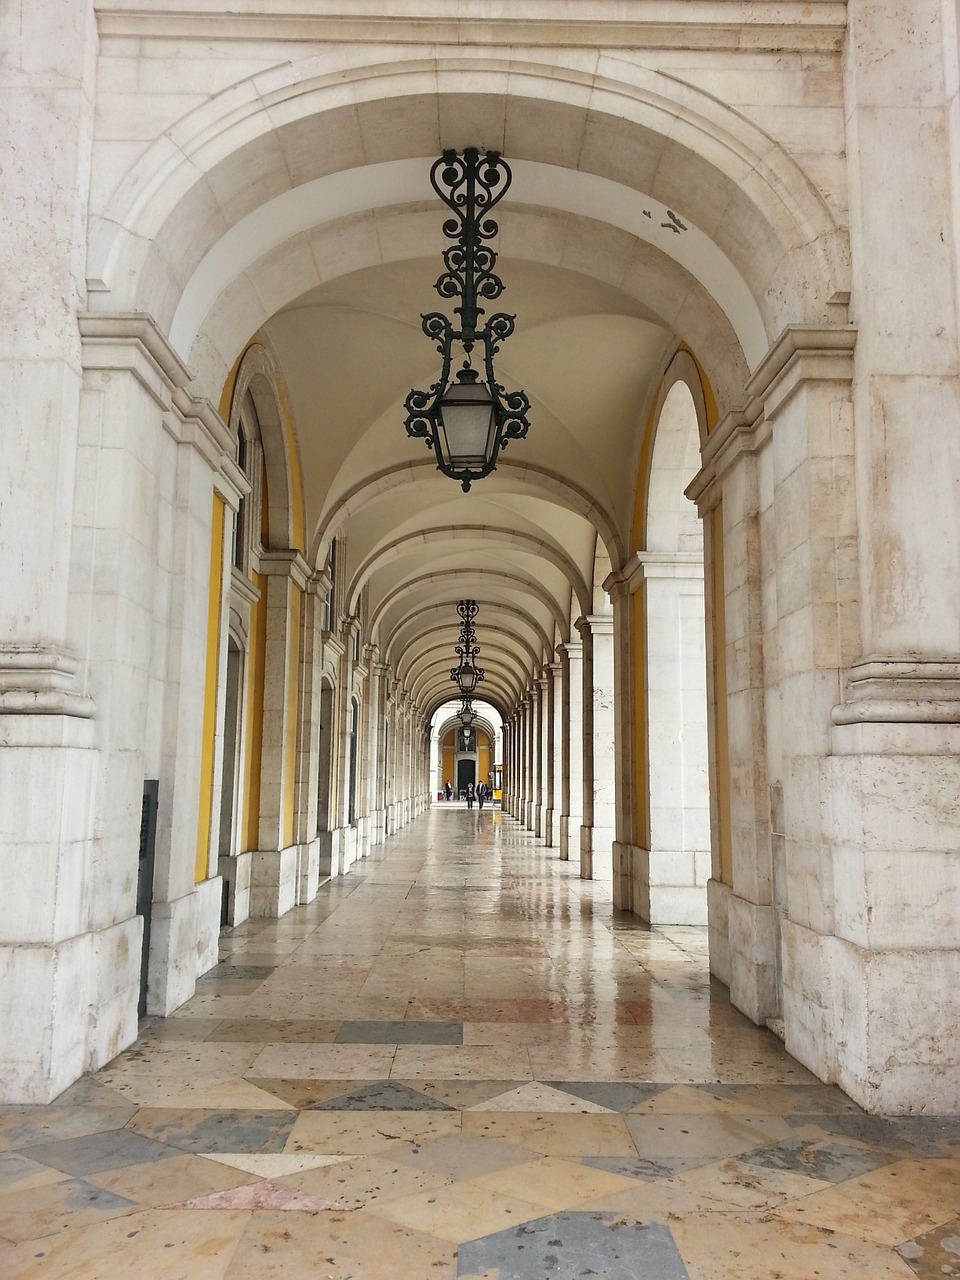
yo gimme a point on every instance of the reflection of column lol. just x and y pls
(571, 817)
(599, 798)
(553, 754)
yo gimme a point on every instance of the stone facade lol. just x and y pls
(719, 590)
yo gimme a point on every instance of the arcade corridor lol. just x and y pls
(456, 1062)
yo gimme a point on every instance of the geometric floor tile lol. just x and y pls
(260, 1195)
(647, 1170)
(382, 1095)
(200, 1131)
(274, 1166)
(539, 1097)
(827, 1161)
(612, 1095)
(935, 1255)
(571, 1245)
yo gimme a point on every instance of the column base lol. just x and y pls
(66, 1008)
(349, 847)
(172, 972)
(273, 889)
(586, 853)
(235, 872)
(718, 929)
(325, 855)
(753, 970)
(596, 853)
(308, 870)
(881, 1024)
(549, 823)
(569, 837)
(209, 896)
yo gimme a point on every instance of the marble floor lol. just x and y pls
(459, 1062)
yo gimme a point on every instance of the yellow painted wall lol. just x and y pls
(210, 688)
(446, 766)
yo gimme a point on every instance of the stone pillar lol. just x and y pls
(383, 674)
(535, 820)
(275, 867)
(308, 763)
(747, 900)
(368, 718)
(530, 758)
(626, 775)
(598, 830)
(678, 861)
(48, 954)
(542, 736)
(893, 978)
(517, 730)
(571, 816)
(392, 758)
(553, 754)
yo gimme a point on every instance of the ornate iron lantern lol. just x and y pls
(466, 673)
(469, 418)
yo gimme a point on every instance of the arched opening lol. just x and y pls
(676, 699)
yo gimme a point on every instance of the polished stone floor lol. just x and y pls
(458, 1062)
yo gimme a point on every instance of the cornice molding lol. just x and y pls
(800, 355)
(748, 25)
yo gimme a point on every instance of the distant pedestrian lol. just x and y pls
(471, 795)
(448, 790)
(481, 794)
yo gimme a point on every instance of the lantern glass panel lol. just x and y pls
(467, 423)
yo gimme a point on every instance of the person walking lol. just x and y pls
(448, 790)
(471, 795)
(481, 794)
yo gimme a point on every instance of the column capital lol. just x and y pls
(644, 565)
(318, 584)
(595, 624)
(800, 355)
(286, 562)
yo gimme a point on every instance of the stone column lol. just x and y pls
(746, 901)
(553, 754)
(517, 730)
(530, 763)
(598, 830)
(370, 711)
(678, 859)
(311, 661)
(393, 757)
(48, 957)
(345, 832)
(571, 816)
(535, 818)
(383, 674)
(275, 867)
(892, 980)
